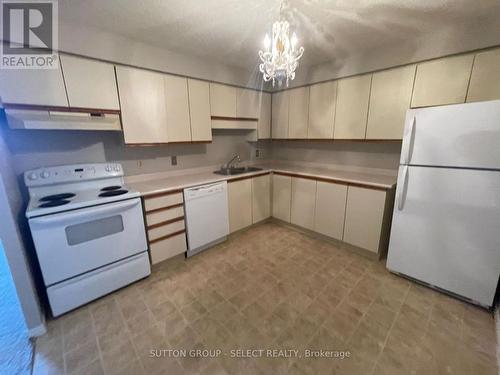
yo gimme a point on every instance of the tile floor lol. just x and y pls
(271, 287)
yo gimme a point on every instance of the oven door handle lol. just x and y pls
(89, 213)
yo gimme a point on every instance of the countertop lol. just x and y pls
(162, 184)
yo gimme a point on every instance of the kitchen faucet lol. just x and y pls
(230, 162)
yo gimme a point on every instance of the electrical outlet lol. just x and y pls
(174, 160)
(258, 153)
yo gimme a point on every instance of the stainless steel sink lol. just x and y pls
(234, 170)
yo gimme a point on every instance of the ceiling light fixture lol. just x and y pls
(281, 55)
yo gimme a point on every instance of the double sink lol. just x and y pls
(236, 170)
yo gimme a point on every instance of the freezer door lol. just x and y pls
(445, 230)
(462, 135)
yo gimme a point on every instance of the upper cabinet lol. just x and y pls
(248, 103)
(177, 103)
(223, 100)
(199, 110)
(298, 112)
(485, 78)
(90, 83)
(390, 98)
(43, 87)
(143, 109)
(352, 107)
(322, 100)
(264, 123)
(279, 115)
(442, 81)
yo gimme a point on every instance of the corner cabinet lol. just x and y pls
(223, 100)
(279, 115)
(239, 193)
(298, 113)
(142, 99)
(282, 196)
(264, 122)
(261, 198)
(303, 202)
(322, 100)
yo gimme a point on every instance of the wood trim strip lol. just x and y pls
(60, 109)
(167, 236)
(164, 143)
(165, 223)
(165, 208)
(333, 181)
(334, 140)
(233, 118)
(162, 194)
(247, 177)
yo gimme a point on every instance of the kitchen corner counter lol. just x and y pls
(151, 185)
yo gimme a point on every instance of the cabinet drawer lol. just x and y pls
(168, 248)
(164, 215)
(165, 230)
(162, 201)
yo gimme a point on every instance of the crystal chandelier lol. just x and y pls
(281, 55)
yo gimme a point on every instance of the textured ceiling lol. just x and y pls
(232, 31)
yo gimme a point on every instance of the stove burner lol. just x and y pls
(111, 188)
(54, 203)
(57, 197)
(112, 193)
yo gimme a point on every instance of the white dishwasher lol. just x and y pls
(207, 217)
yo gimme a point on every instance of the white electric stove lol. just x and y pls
(88, 230)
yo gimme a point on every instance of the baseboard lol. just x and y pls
(38, 331)
(497, 325)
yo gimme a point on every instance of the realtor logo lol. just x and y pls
(29, 34)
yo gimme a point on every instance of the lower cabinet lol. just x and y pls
(303, 202)
(239, 195)
(282, 193)
(329, 215)
(261, 198)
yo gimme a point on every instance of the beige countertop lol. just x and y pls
(150, 185)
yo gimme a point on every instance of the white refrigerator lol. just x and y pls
(446, 222)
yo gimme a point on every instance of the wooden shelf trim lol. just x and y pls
(164, 208)
(247, 177)
(167, 236)
(233, 118)
(165, 223)
(60, 109)
(162, 194)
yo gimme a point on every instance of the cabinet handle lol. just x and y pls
(408, 141)
(402, 192)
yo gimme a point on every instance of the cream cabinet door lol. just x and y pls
(247, 103)
(90, 83)
(298, 112)
(142, 99)
(330, 209)
(282, 194)
(280, 115)
(303, 202)
(222, 100)
(322, 100)
(177, 102)
(33, 87)
(364, 217)
(442, 81)
(485, 78)
(390, 98)
(261, 198)
(264, 123)
(199, 110)
(351, 111)
(240, 204)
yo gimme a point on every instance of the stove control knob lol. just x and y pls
(108, 168)
(32, 176)
(45, 174)
(117, 168)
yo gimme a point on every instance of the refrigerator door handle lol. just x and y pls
(402, 191)
(408, 142)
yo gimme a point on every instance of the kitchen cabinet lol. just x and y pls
(43, 87)
(264, 123)
(329, 215)
(442, 81)
(351, 110)
(390, 98)
(199, 110)
(364, 217)
(177, 109)
(240, 204)
(248, 103)
(261, 198)
(282, 194)
(279, 115)
(303, 202)
(322, 100)
(485, 78)
(90, 83)
(143, 110)
(298, 112)
(222, 100)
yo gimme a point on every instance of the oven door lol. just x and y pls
(73, 242)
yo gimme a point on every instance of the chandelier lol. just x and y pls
(281, 55)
